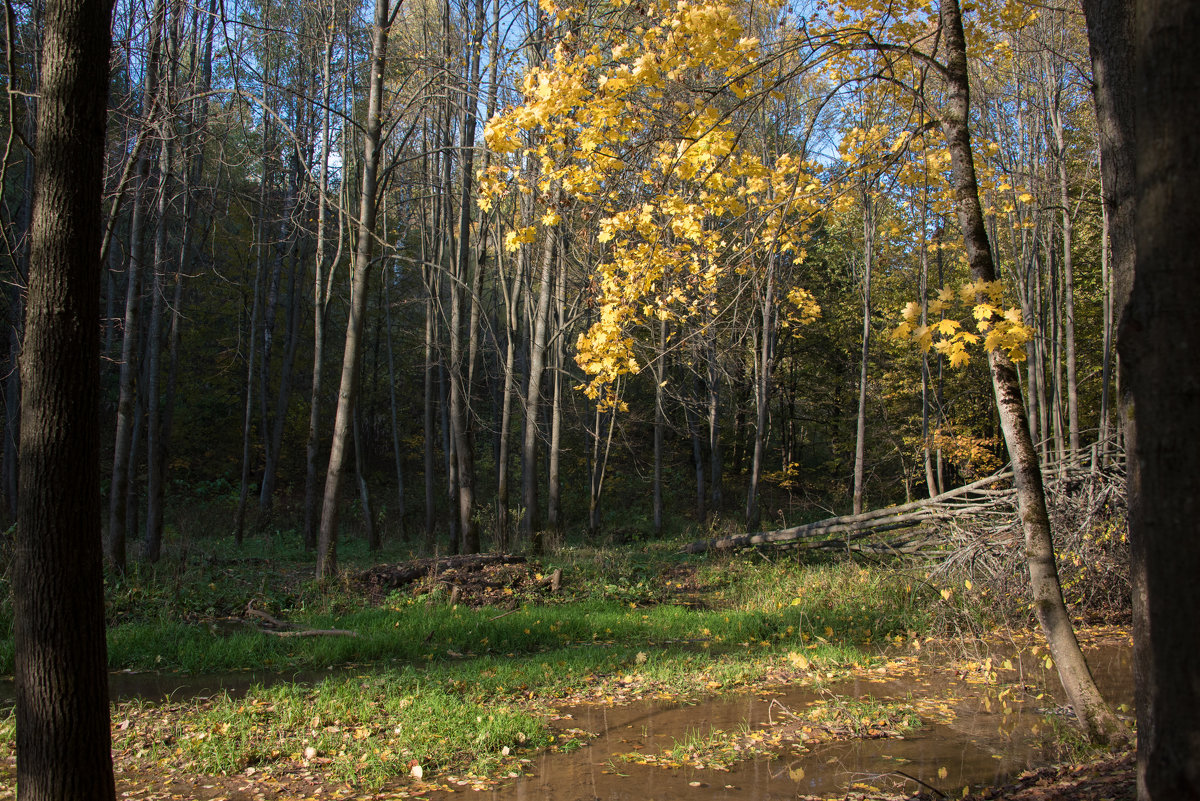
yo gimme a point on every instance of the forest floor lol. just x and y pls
(241, 679)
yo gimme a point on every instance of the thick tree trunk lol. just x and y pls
(61, 687)
(372, 148)
(1149, 110)
(1094, 715)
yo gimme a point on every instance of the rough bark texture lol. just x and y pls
(1094, 715)
(63, 745)
(1159, 342)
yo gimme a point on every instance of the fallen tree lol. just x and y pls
(990, 501)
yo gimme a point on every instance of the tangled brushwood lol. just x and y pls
(1088, 517)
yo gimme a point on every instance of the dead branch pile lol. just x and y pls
(473, 579)
(932, 525)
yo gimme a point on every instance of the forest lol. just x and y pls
(416, 317)
(621, 269)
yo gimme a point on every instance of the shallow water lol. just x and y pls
(989, 740)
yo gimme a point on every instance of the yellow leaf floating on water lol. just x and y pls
(943, 773)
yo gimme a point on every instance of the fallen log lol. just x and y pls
(889, 519)
(311, 633)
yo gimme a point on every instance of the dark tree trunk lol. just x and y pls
(63, 740)
(1152, 120)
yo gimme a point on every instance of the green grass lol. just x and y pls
(452, 687)
(781, 605)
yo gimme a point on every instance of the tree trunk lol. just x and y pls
(1147, 102)
(396, 452)
(364, 491)
(660, 424)
(715, 453)
(239, 519)
(320, 308)
(1094, 715)
(155, 450)
(532, 522)
(764, 360)
(510, 289)
(860, 441)
(428, 427)
(61, 683)
(554, 519)
(372, 147)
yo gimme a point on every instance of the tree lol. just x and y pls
(1094, 715)
(1148, 105)
(361, 271)
(63, 739)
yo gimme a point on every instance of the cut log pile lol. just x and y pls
(989, 503)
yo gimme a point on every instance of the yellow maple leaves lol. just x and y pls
(620, 119)
(1000, 329)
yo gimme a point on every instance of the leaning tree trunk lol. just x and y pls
(63, 737)
(1098, 721)
(327, 536)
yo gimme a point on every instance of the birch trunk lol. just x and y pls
(1097, 720)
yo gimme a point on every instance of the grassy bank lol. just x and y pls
(455, 688)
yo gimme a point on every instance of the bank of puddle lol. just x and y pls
(982, 722)
(976, 731)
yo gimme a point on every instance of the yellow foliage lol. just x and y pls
(1004, 329)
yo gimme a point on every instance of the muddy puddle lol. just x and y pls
(974, 734)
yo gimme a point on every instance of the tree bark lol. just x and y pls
(1159, 339)
(1093, 714)
(320, 306)
(860, 440)
(532, 521)
(372, 147)
(63, 737)
(127, 392)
